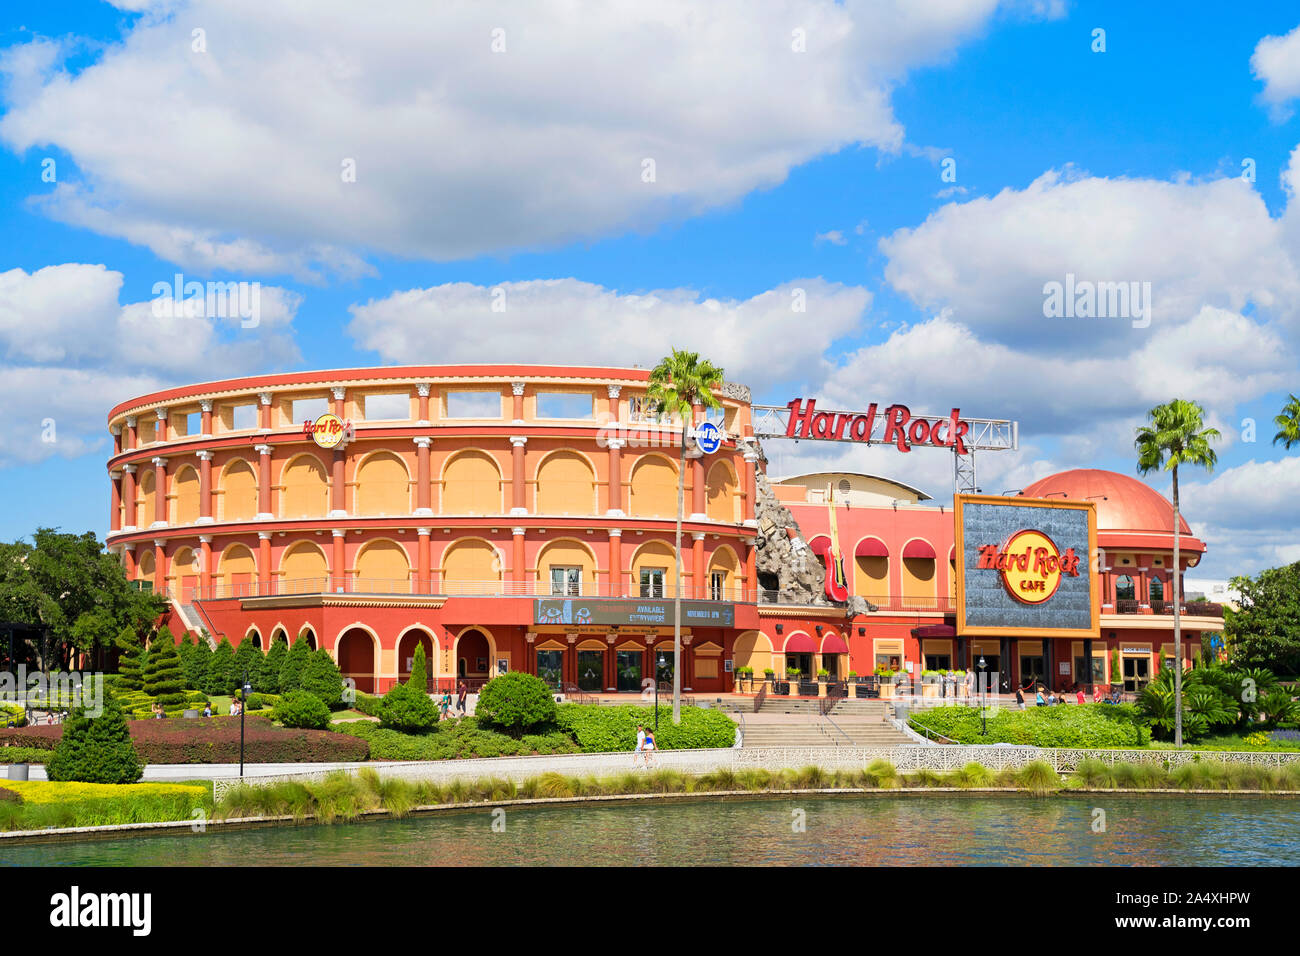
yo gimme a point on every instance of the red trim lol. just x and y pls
(819, 545)
(834, 644)
(799, 644)
(916, 548)
(871, 548)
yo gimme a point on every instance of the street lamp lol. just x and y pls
(243, 706)
(984, 681)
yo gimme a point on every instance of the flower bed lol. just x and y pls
(45, 804)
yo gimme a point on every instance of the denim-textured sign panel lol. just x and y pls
(632, 611)
(987, 602)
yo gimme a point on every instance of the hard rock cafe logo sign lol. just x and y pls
(1031, 565)
(328, 431)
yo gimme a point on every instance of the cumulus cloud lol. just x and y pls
(303, 136)
(1276, 63)
(774, 337)
(70, 350)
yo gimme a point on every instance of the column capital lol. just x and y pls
(530, 638)
(160, 462)
(160, 542)
(611, 638)
(339, 392)
(161, 414)
(115, 474)
(615, 532)
(573, 638)
(264, 397)
(613, 390)
(519, 441)
(203, 454)
(205, 539)
(128, 545)
(131, 421)
(205, 404)
(422, 442)
(517, 532)
(517, 388)
(615, 443)
(423, 532)
(751, 455)
(697, 535)
(129, 468)
(115, 429)
(422, 389)
(264, 535)
(262, 449)
(339, 533)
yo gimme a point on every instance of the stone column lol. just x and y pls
(697, 476)
(160, 427)
(687, 664)
(264, 482)
(115, 505)
(128, 560)
(530, 653)
(423, 392)
(160, 493)
(263, 562)
(571, 659)
(128, 497)
(751, 484)
(340, 394)
(697, 565)
(518, 488)
(423, 562)
(205, 565)
(132, 433)
(338, 486)
(205, 417)
(518, 563)
(159, 566)
(338, 564)
(615, 446)
(751, 572)
(615, 562)
(264, 413)
(611, 671)
(116, 430)
(422, 495)
(205, 486)
(517, 390)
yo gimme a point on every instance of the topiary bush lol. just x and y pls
(599, 729)
(164, 672)
(221, 670)
(320, 676)
(274, 665)
(96, 749)
(408, 708)
(303, 710)
(515, 702)
(294, 662)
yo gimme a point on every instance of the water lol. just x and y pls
(896, 830)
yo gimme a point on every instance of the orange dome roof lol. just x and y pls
(1123, 503)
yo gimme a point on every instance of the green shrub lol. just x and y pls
(197, 662)
(13, 715)
(452, 740)
(367, 704)
(419, 671)
(302, 709)
(96, 749)
(320, 676)
(295, 662)
(408, 708)
(1103, 726)
(599, 729)
(515, 703)
(221, 670)
(273, 665)
(164, 672)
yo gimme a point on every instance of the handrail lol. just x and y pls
(760, 697)
(848, 740)
(931, 734)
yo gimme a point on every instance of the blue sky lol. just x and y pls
(776, 169)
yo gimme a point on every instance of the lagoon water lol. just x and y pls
(896, 830)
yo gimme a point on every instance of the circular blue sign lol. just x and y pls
(709, 437)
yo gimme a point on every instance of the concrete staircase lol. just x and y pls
(796, 723)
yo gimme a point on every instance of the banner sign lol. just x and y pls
(900, 427)
(654, 612)
(1024, 567)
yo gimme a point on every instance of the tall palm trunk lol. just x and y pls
(1178, 631)
(677, 591)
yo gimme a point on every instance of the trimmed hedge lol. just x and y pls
(24, 755)
(455, 739)
(214, 740)
(300, 708)
(368, 704)
(599, 729)
(1100, 726)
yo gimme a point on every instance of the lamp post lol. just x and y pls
(984, 710)
(243, 706)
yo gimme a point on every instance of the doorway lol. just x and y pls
(628, 664)
(803, 662)
(1137, 674)
(591, 670)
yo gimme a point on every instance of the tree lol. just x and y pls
(515, 702)
(96, 749)
(199, 666)
(292, 667)
(679, 385)
(1264, 630)
(1175, 435)
(69, 583)
(164, 674)
(250, 662)
(321, 676)
(299, 708)
(419, 678)
(130, 664)
(408, 708)
(274, 664)
(221, 670)
(1288, 424)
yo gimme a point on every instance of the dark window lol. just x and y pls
(1124, 590)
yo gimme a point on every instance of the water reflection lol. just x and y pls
(899, 831)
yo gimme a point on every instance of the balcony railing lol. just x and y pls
(1166, 608)
(325, 584)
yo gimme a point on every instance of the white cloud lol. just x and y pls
(69, 351)
(834, 237)
(1276, 63)
(762, 340)
(458, 151)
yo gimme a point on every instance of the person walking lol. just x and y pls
(444, 705)
(648, 748)
(461, 693)
(640, 743)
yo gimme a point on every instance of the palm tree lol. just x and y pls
(679, 383)
(1175, 435)
(1288, 424)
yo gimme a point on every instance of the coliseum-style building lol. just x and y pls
(514, 517)
(460, 497)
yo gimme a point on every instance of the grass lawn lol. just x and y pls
(348, 715)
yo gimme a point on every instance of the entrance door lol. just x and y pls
(591, 670)
(1137, 673)
(803, 662)
(550, 666)
(1032, 669)
(628, 664)
(664, 667)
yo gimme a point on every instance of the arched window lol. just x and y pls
(1156, 590)
(1124, 590)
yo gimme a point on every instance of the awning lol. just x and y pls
(934, 630)
(834, 644)
(799, 644)
(916, 548)
(871, 548)
(819, 545)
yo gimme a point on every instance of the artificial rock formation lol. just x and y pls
(783, 553)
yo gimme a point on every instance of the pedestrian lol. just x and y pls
(648, 747)
(462, 693)
(207, 709)
(1039, 698)
(1082, 698)
(445, 706)
(640, 743)
(1020, 698)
